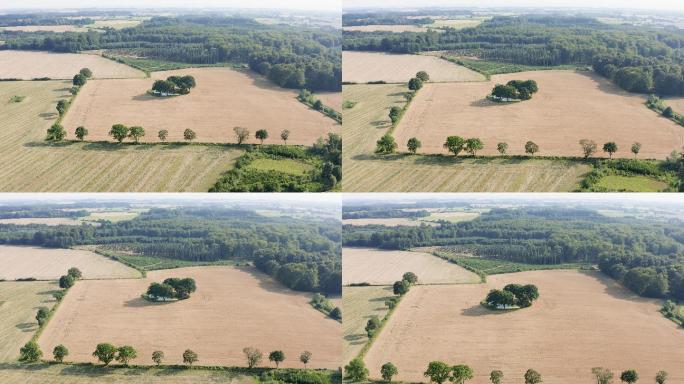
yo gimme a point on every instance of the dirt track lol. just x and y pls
(582, 320)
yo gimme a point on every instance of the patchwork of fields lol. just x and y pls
(581, 320)
(28, 65)
(232, 309)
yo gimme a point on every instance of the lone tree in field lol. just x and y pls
(372, 325)
(415, 84)
(531, 148)
(55, 133)
(668, 112)
(610, 147)
(394, 114)
(189, 135)
(410, 277)
(461, 373)
(105, 353)
(86, 72)
(413, 145)
(285, 134)
(661, 377)
(497, 298)
(158, 357)
(163, 134)
(261, 135)
(386, 144)
(119, 132)
(241, 134)
(59, 353)
(401, 287)
(305, 357)
(59, 295)
(75, 273)
(66, 281)
(253, 356)
(588, 147)
(423, 76)
(602, 375)
(277, 357)
(356, 371)
(454, 144)
(502, 148)
(496, 376)
(42, 315)
(125, 354)
(81, 133)
(636, 147)
(318, 105)
(79, 80)
(473, 145)
(504, 92)
(336, 313)
(62, 106)
(387, 371)
(163, 87)
(438, 372)
(629, 376)
(190, 357)
(30, 352)
(136, 133)
(532, 377)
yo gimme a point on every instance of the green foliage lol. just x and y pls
(30, 352)
(79, 80)
(298, 376)
(284, 135)
(190, 357)
(602, 375)
(59, 353)
(438, 372)
(588, 147)
(532, 377)
(387, 371)
(336, 313)
(277, 357)
(413, 145)
(125, 354)
(163, 134)
(386, 144)
(629, 376)
(496, 376)
(158, 357)
(75, 273)
(401, 287)
(119, 132)
(502, 148)
(395, 114)
(531, 148)
(356, 371)
(66, 281)
(372, 326)
(473, 145)
(305, 357)
(86, 72)
(17, 99)
(348, 104)
(253, 356)
(661, 377)
(81, 132)
(461, 373)
(415, 84)
(455, 144)
(261, 135)
(105, 353)
(610, 147)
(410, 277)
(423, 76)
(189, 135)
(136, 133)
(55, 133)
(42, 315)
(58, 295)
(652, 170)
(62, 106)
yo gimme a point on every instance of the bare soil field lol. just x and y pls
(368, 120)
(570, 106)
(381, 267)
(32, 165)
(19, 302)
(677, 104)
(331, 99)
(51, 263)
(212, 109)
(393, 222)
(362, 67)
(232, 309)
(33, 64)
(581, 320)
(359, 304)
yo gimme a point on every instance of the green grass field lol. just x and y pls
(497, 68)
(358, 305)
(290, 166)
(631, 184)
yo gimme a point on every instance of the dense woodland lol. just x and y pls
(638, 59)
(303, 253)
(292, 57)
(15, 20)
(375, 18)
(380, 213)
(39, 212)
(647, 257)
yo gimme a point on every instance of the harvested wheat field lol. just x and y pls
(359, 304)
(381, 267)
(362, 67)
(19, 302)
(330, 99)
(34, 64)
(393, 222)
(581, 320)
(570, 106)
(51, 263)
(212, 109)
(385, 28)
(368, 120)
(232, 309)
(30, 164)
(50, 221)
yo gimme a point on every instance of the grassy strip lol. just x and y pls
(376, 334)
(674, 312)
(654, 169)
(489, 68)
(53, 310)
(658, 105)
(324, 306)
(307, 98)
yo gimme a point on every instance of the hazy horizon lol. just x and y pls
(656, 5)
(310, 5)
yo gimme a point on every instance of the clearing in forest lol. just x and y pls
(231, 309)
(20, 262)
(581, 320)
(212, 109)
(570, 106)
(363, 67)
(358, 305)
(35, 64)
(383, 267)
(19, 303)
(388, 222)
(368, 120)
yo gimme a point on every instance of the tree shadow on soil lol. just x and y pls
(355, 339)
(27, 327)
(139, 302)
(484, 103)
(23, 367)
(88, 371)
(478, 311)
(51, 144)
(267, 283)
(615, 289)
(48, 115)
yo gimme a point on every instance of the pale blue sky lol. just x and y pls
(612, 4)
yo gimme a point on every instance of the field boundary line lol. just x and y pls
(362, 353)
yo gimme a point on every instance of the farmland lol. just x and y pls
(359, 304)
(31, 165)
(103, 103)
(18, 305)
(51, 263)
(362, 67)
(330, 99)
(570, 106)
(28, 65)
(588, 320)
(368, 120)
(380, 267)
(393, 222)
(270, 318)
(385, 28)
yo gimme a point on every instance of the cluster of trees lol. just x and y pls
(171, 289)
(382, 18)
(646, 256)
(454, 144)
(48, 18)
(376, 213)
(513, 295)
(120, 132)
(67, 281)
(515, 90)
(399, 288)
(324, 305)
(38, 211)
(56, 132)
(638, 59)
(308, 98)
(589, 148)
(174, 85)
(290, 56)
(416, 83)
